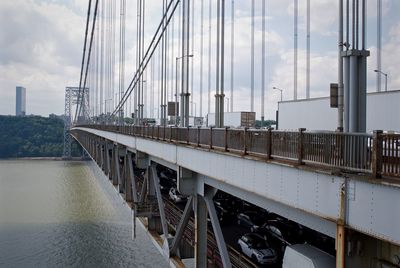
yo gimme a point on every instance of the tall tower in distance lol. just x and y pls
(20, 104)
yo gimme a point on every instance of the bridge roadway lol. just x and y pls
(328, 192)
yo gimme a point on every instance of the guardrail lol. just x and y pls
(377, 154)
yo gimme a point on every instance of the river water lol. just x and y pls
(61, 214)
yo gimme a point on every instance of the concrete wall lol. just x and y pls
(383, 112)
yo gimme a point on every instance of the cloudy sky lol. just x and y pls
(41, 44)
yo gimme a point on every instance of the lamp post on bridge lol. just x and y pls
(385, 74)
(277, 111)
(280, 89)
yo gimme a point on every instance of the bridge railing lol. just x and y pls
(378, 153)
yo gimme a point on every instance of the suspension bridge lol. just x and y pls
(333, 185)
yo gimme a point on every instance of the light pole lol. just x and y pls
(281, 90)
(277, 112)
(385, 74)
(176, 86)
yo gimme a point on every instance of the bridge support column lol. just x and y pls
(102, 154)
(116, 176)
(130, 181)
(153, 178)
(340, 228)
(340, 246)
(181, 227)
(121, 170)
(223, 251)
(200, 217)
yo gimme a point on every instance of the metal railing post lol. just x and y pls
(300, 146)
(187, 134)
(245, 141)
(377, 153)
(198, 136)
(164, 133)
(158, 132)
(211, 128)
(226, 138)
(269, 143)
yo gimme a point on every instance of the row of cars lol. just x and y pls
(267, 238)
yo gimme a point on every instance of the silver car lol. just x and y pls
(257, 248)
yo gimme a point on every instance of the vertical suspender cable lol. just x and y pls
(165, 70)
(379, 45)
(357, 26)
(263, 64)
(122, 54)
(162, 70)
(308, 52)
(296, 14)
(252, 57)
(217, 67)
(172, 59)
(340, 68)
(209, 55)
(102, 59)
(159, 91)
(222, 96)
(152, 88)
(143, 16)
(232, 51)
(97, 69)
(192, 65)
(201, 56)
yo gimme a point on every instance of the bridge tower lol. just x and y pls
(72, 98)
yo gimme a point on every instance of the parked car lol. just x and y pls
(307, 256)
(175, 196)
(251, 219)
(282, 229)
(166, 185)
(257, 248)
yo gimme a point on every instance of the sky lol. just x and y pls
(41, 49)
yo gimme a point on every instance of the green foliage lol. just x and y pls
(32, 136)
(267, 123)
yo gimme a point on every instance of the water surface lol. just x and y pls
(65, 214)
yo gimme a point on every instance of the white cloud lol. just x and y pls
(42, 41)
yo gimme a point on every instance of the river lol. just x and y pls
(61, 214)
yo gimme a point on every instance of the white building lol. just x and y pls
(383, 113)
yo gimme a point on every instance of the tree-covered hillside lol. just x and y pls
(31, 136)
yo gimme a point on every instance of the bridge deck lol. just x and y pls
(307, 193)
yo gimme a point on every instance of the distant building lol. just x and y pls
(20, 105)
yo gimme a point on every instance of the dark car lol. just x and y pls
(281, 232)
(251, 219)
(166, 185)
(223, 211)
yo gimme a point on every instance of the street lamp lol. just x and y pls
(281, 90)
(385, 74)
(277, 112)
